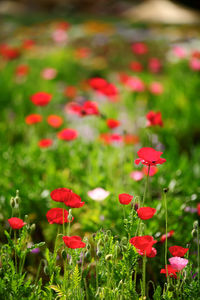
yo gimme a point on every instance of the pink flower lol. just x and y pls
(137, 175)
(178, 263)
(98, 194)
(135, 84)
(156, 88)
(195, 64)
(48, 73)
(59, 36)
(154, 65)
(179, 51)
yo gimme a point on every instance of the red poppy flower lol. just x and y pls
(73, 242)
(125, 199)
(112, 123)
(139, 48)
(70, 91)
(154, 119)
(67, 196)
(16, 223)
(113, 138)
(22, 70)
(45, 143)
(63, 25)
(28, 44)
(169, 234)
(90, 108)
(178, 251)
(41, 98)
(151, 254)
(109, 90)
(67, 134)
(198, 209)
(55, 216)
(54, 121)
(82, 52)
(33, 119)
(73, 108)
(149, 157)
(136, 66)
(170, 271)
(131, 139)
(143, 243)
(8, 52)
(153, 170)
(146, 213)
(61, 194)
(154, 65)
(97, 83)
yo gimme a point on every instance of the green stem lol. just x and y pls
(15, 240)
(166, 230)
(198, 254)
(144, 276)
(146, 186)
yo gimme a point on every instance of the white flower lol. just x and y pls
(98, 194)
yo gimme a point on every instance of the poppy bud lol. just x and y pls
(64, 254)
(17, 198)
(136, 206)
(12, 202)
(108, 257)
(195, 224)
(70, 217)
(165, 190)
(193, 232)
(33, 226)
(26, 218)
(93, 236)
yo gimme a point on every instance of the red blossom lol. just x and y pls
(45, 143)
(97, 83)
(198, 209)
(22, 70)
(139, 48)
(151, 254)
(54, 121)
(67, 134)
(8, 52)
(169, 234)
(178, 251)
(154, 119)
(90, 108)
(33, 119)
(125, 199)
(73, 242)
(112, 123)
(169, 271)
(41, 98)
(154, 65)
(70, 91)
(28, 44)
(146, 213)
(67, 196)
(149, 157)
(16, 223)
(136, 66)
(56, 216)
(143, 243)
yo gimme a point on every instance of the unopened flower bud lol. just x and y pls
(87, 254)
(195, 224)
(136, 206)
(33, 226)
(70, 217)
(12, 202)
(193, 232)
(26, 218)
(99, 253)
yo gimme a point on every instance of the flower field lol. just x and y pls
(100, 195)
